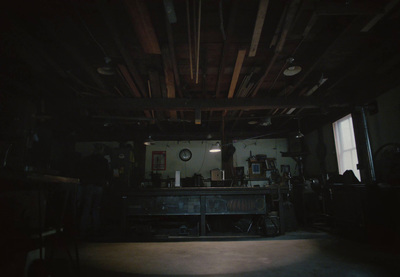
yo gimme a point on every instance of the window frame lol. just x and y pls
(340, 151)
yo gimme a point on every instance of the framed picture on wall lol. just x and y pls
(158, 160)
(256, 168)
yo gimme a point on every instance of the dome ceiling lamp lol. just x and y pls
(299, 134)
(149, 141)
(215, 148)
(107, 69)
(292, 69)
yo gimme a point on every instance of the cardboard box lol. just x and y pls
(217, 175)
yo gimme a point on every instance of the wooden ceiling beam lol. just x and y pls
(169, 76)
(143, 26)
(262, 11)
(352, 8)
(171, 46)
(286, 27)
(328, 51)
(179, 104)
(379, 16)
(229, 31)
(75, 52)
(155, 83)
(236, 72)
(115, 33)
(131, 84)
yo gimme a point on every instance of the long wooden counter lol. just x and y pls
(201, 201)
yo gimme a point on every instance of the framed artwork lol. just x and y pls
(256, 168)
(158, 160)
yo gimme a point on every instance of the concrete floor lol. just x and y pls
(294, 254)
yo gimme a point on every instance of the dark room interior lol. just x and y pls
(200, 138)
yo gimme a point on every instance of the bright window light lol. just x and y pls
(346, 149)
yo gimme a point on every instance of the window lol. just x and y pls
(346, 145)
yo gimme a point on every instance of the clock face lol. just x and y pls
(185, 155)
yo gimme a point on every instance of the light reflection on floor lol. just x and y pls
(325, 256)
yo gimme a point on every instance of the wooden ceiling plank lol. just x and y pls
(76, 54)
(231, 25)
(189, 39)
(154, 78)
(115, 33)
(230, 28)
(292, 10)
(171, 46)
(379, 16)
(279, 27)
(286, 26)
(328, 50)
(198, 44)
(236, 72)
(310, 24)
(133, 88)
(125, 73)
(329, 8)
(262, 11)
(169, 77)
(143, 26)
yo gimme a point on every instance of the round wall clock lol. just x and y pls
(185, 154)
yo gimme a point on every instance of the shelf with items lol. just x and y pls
(262, 168)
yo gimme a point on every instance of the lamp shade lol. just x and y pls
(148, 141)
(299, 135)
(215, 148)
(292, 70)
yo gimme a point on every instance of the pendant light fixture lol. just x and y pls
(149, 141)
(107, 69)
(299, 134)
(292, 69)
(215, 148)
